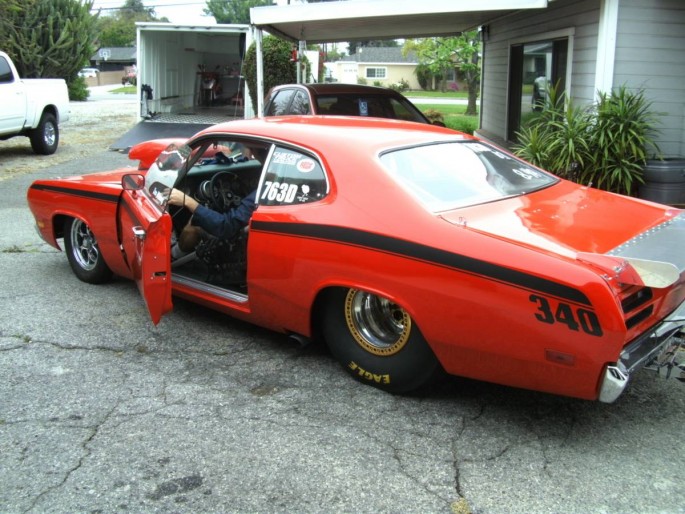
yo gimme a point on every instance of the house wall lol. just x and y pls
(395, 73)
(578, 19)
(105, 78)
(650, 55)
(343, 72)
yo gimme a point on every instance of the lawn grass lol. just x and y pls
(453, 116)
(436, 94)
(126, 90)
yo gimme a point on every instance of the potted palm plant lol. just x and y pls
(623, 139)
(557, 137)
(605, 145)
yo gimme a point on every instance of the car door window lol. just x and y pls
(5, 71)
(279, 103)
(164, 172)
(292, 177)
(300, 104)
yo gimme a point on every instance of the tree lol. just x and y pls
(278, 68)
(233, 11)
(48, 38)
(136, 9)
(8, 12)
(441, 54)
(353, 46)
(119, 29)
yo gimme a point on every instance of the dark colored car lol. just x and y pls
(340, 100)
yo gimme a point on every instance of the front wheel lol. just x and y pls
(377, 341)
(83, 253)
(45, 137)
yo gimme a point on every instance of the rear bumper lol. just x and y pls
(657, 348)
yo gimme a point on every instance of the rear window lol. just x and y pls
(445, 176)
(378, 106)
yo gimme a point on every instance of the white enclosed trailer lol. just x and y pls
(172, 59)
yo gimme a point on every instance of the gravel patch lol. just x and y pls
(93, 126)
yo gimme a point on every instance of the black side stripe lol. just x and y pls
(130, 211)
(424, 253)
(77, 192)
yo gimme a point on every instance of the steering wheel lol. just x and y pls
(222, 195)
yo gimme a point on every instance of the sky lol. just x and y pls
(187, 12)
(178, 11)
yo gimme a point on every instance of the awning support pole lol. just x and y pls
(260, 73)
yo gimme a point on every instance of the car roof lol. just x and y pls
(327, 88)
(328, 133)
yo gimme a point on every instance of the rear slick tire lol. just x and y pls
(377, 342)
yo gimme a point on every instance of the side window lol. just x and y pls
(300, 104)
(292, 178)
(5, 71)
(279, 103)
(403, 112)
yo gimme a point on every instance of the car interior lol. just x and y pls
(219, 178)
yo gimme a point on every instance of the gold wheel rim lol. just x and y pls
(378, 325)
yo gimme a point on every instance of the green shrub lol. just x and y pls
(423, 75)
(622, 139)
(278, 69)
(434, 115)
(605, 145)
(400, 86)
(78, 90)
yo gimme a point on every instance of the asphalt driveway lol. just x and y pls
(102, 412)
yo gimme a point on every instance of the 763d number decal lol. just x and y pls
(575, 318)
(280, 192)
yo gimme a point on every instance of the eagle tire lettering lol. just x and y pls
(367, 375)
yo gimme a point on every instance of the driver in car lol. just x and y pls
(223, 225)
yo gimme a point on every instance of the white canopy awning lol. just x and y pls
(352, 20)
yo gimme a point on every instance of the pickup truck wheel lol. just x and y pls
(83, 253)
(45, 137)
(377, 341)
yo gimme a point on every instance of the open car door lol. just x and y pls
(145, 232)
(145, 229)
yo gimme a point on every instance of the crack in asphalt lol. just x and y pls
(94, 430)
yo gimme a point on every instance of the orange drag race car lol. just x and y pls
(410, 249)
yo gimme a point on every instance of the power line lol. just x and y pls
(148, 6)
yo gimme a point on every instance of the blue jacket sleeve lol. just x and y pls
(225, 225)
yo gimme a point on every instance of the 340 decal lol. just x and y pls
(575, 318)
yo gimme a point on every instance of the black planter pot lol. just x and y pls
(664, 182)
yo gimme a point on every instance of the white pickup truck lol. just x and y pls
(31, 107)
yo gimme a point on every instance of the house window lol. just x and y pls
(376, 73)
(534, 66)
